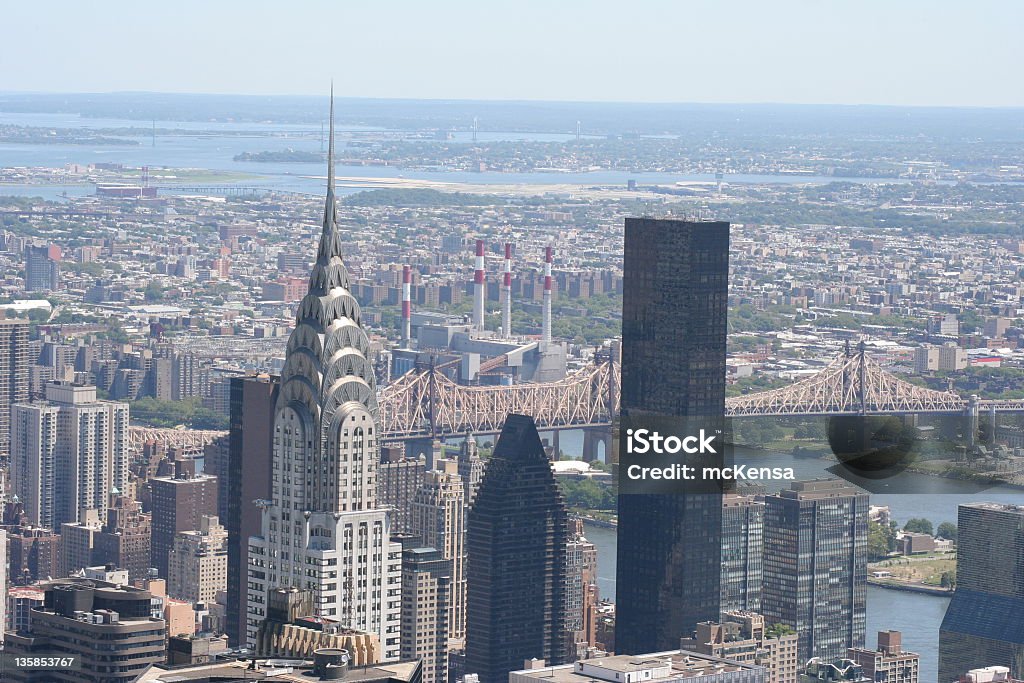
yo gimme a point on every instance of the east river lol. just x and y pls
(917, 616)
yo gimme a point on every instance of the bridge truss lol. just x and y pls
(426, 403)
(190, 440)
(852, 384)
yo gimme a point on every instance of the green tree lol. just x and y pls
(153, 292)
(881, 541)
(919, 525)
(776, 630)
(948, 531)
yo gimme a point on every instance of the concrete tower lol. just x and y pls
(506, 311)
(546, 322)
(322, 518)
(406, 306)
(479, 288)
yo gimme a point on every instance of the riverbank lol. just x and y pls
(910, 587)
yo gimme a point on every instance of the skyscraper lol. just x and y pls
(68, 454)
(471, 466)
(673, 364)
(426, 594)
(742, 552)
(14, 364)
(321, 531)
(197, 566)
(42, 268)
(179, 503)
(437, 518)
(983, 625)
(516, 543)
(250, 442)
(815, 565)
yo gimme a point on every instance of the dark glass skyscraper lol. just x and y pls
(248, 474)
(673, 364)
(984, 623)
(516, 542)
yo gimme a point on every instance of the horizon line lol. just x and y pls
(652, 103)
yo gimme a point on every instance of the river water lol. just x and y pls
(916, 615)
(209, 146)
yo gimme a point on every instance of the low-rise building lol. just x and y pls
(743, 637)
(659, 667)
(889, 662)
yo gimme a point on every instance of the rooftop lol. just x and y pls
(276, 670)
(650, 668)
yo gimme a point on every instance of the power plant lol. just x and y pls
(464, 349)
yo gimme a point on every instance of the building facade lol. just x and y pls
(426, 597)
(438, 519)
(675, 286)
(743, 637)
(983, 625)
(197, 566)
(179, 504)
(69, 453)
(14, 370)
(516, 537)
(815, 565)
(109, 628)
(42, 268)
(742, 553)
(248, 472)
(889, 662)
(124, 540)
(321, 530)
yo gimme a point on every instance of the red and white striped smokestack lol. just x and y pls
(406, 306)
(478, 288)
(545, 333)
(506, 313)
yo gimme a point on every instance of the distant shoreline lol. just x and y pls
(910, 588)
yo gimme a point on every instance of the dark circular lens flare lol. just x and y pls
(872, 446)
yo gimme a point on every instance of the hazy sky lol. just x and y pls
(942, 52)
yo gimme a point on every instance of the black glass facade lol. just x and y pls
(516, 535)
(675, 288)
(984, 623)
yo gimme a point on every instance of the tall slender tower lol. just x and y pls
(321, 530)
(14, 383)
(506, 311)
(438, 518)
(673, 365)
(546, 320)
(406, 306)
(479, 288)
(516, 537)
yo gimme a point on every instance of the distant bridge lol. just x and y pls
(191, 441)
(854, 384)
(424, 404)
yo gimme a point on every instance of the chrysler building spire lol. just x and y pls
(325, 455)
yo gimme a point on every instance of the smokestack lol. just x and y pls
(406, 306)
(545, 334)
(478, 288)
(506, 313)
